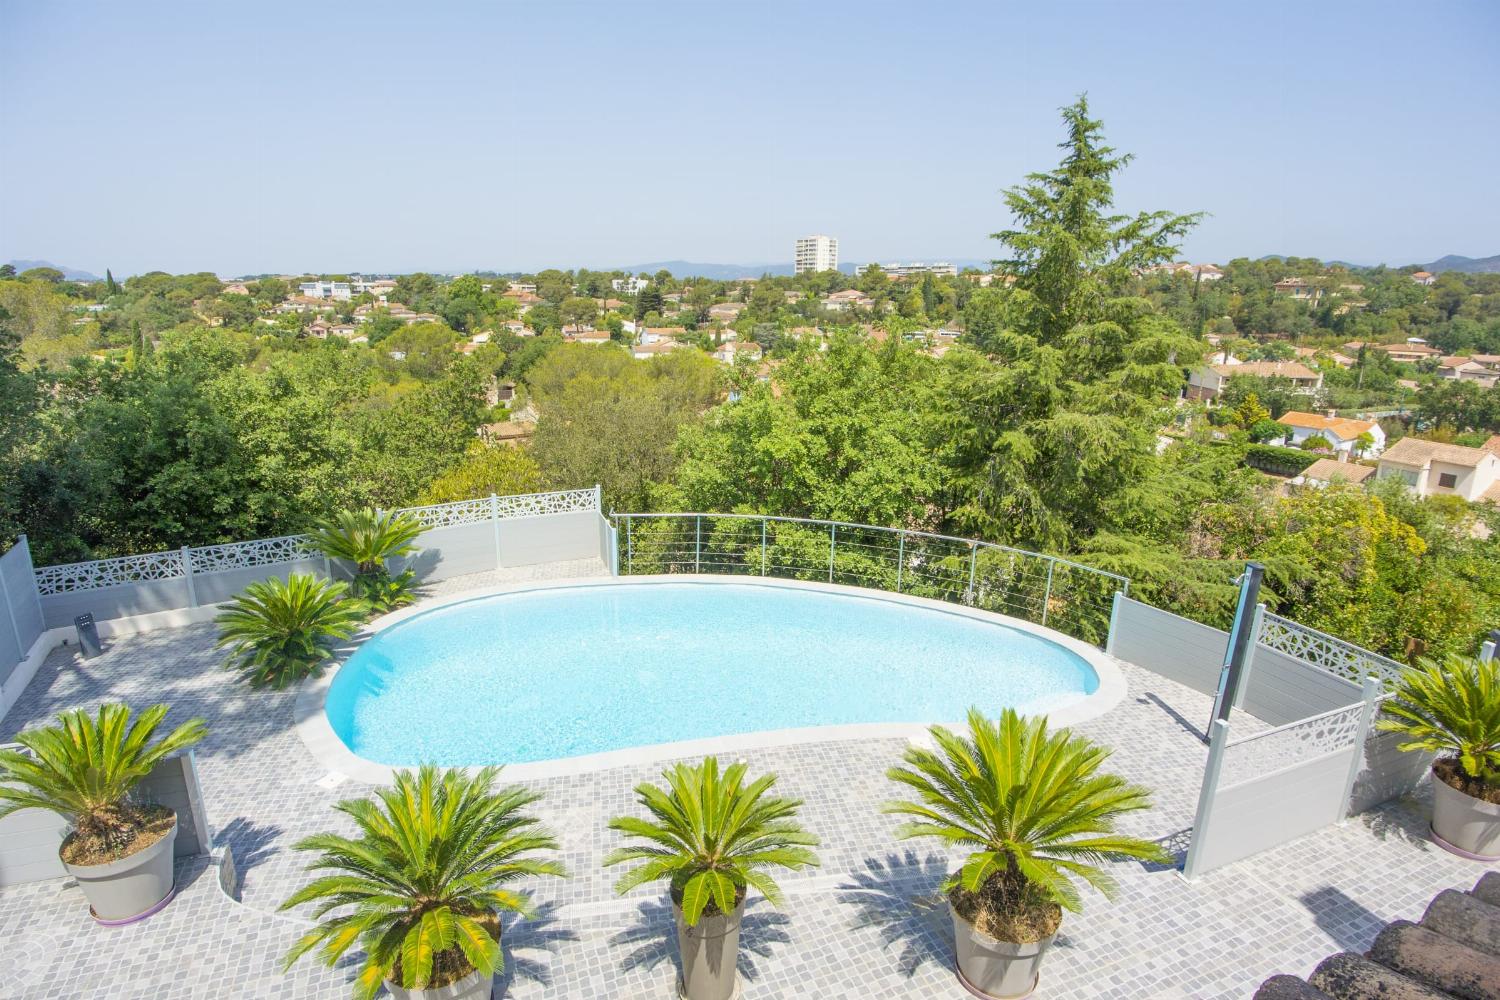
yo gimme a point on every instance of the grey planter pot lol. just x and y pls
(475, 986)
(994, 969)
(132, 887)
(710, 951)
(1467, 825)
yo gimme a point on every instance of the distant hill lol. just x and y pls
(69, 273)
(1468, 265)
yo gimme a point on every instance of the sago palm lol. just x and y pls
(278, 631)
(712, 835)
(84, 768)
(1451, 708)
(366, 537)
(1031, 804)
(419, 886)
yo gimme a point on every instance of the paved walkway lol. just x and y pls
(868, 923)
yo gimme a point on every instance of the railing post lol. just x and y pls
(1218, 742)
(1047, 595)
(1372, 689)
(495, 524)
(763, 546)
(599, 498)
(832, 548)
(697, 541)
(187, 572)
(973, 559)
(900, 559)
(1114, 620)
(629, 548)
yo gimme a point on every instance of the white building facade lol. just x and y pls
(816, 253)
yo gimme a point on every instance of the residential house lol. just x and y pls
(1312, 353)
(516, 327)
(627, 286)
(656, 334)
(1329, 470)
(1411, 351)
(731, 351)
(1434, 469)
(725, 312)
(337, 290)
(345, 330)
(1424, 278)
(851, 298)
(1299, 288)
(520, 288)
(579, 335)
(1466, 369)
(655, 349)
(1341, 433)
(1209, 381)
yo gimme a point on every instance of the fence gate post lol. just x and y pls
(762, 546)
(495, 524)
(1114, 620)
(1241, 636)
(900, 558)
(187, 571)
(832, 547)
(1047, 596)
(1372, 690)
(1218, 742)
(973, 557)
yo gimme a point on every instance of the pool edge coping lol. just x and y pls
(310, 720)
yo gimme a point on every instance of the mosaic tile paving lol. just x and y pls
(868, 923)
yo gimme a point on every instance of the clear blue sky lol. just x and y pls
(268, 137)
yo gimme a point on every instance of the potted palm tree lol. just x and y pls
(420, 886)
(283, 630)
(713, 837)
(86, 770)
(1452, 708)
(1036, 812)
(368, 538)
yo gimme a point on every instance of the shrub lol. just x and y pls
(712, 835)
(1036, 812)
(419, 885)
(1451, 707)
(283, 630)
(85, 770)
(1282, 461)
(368, 538)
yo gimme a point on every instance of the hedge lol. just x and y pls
(1282, 461)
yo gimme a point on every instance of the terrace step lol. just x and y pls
(1438, 961)
(1347, 976)
(1466, 919)
(1288, 988)
(1487, 888)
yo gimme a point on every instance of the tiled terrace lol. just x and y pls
(867, 924)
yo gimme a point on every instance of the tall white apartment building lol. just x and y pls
(817, 253)
(326, 290)
(897, 270)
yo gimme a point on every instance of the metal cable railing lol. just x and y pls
(1048, 590)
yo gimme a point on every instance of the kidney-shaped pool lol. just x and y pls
(551, 673)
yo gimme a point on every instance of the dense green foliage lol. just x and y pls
(1036, 406)
(1451, 708)
(418, 886)
(1031, 806)
(284, 630)
(711, 836)
(85, 768)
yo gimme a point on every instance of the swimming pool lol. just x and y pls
(542, 674)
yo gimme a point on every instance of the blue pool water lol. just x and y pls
(556, 673)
